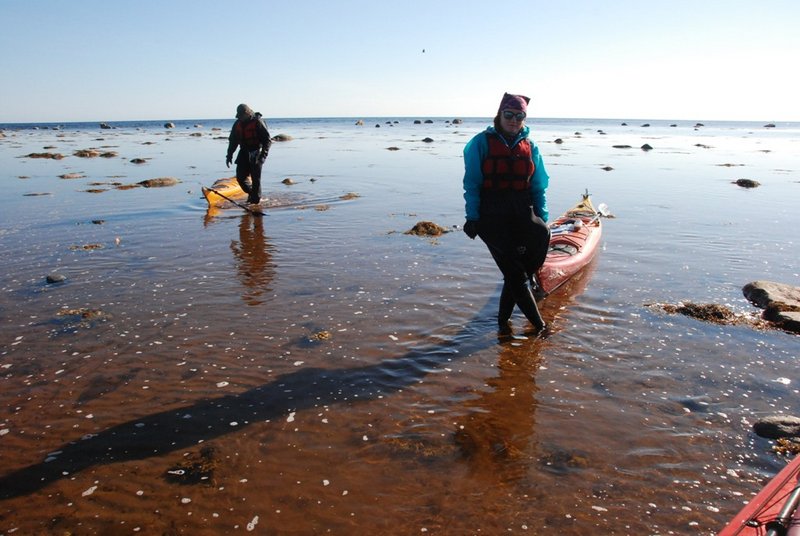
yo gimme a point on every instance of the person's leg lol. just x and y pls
(254, 195)
(506, 308)
(527, 304)
(535, 239)
(515, 280)
(242, 174)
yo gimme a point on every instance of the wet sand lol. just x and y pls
(318, 370)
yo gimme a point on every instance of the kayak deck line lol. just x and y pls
(773, 511)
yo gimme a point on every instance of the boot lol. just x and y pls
(527, 305)
(506, 308)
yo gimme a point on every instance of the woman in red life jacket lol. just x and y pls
(504, 189)
(250, 133)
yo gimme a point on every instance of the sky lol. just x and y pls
(91, 60)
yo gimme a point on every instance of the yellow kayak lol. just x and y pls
(228, 188)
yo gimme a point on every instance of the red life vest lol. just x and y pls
(248, 134)
(505, 167)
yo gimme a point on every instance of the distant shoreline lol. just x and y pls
(220, 122)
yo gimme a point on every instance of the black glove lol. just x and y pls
(228, 160)
(471, 228)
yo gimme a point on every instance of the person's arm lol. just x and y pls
(264, 138)
(539, 182)
(233, 142)
(474, 152)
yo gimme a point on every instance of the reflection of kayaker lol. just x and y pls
(253, 259)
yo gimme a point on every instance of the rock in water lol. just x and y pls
(777, 426)
(159, 182)
(781, 303)
(56, 278)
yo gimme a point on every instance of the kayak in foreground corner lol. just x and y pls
(773, 511)
(573, 241)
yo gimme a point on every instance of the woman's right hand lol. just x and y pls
(471, 228)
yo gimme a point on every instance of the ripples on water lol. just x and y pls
(338, 375)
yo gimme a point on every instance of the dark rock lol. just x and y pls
(769, 125)
(558, 141)
(169, 125)
(105, 126)
(646, 125)
(428, 140)
(52, 156)
(457, 121)
(777, 426)
(747, 183)
(607, 168)
(138, 161)
(647, 147)
(417, 122)
(781, 303)
(56, 278)
(764, 294)
(159, 182)
(621, 146)
(429, 121)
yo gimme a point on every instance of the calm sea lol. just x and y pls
(319, 371)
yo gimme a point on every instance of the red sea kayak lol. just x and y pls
(773, 511)
(573, 241)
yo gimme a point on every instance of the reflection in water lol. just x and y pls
(253, 259)
(498, 435)
(495, 435)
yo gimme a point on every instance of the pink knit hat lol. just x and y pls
(514, 102)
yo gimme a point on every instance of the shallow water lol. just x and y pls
(337, 375)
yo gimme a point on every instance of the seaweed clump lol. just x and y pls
(426, 228)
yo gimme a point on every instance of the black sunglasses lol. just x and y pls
(520, 116)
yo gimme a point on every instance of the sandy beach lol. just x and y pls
(317, 370)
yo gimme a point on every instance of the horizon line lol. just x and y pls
(532, 119)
